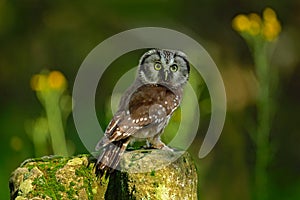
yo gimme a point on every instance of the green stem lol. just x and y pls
(55, 123)
(264, 121)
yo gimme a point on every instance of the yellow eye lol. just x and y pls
(174, 68)
(157, 66)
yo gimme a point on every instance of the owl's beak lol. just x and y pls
(166, 75)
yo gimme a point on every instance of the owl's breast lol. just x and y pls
(152, 100)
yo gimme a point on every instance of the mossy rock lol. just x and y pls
(145, 174)
(55, 178)
(154, 174)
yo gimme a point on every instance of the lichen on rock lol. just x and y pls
(145, 174)
(156, 175)
(55, 178)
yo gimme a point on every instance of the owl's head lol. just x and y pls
(166, 67)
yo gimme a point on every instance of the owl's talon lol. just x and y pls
(162, 146)
(166, 148)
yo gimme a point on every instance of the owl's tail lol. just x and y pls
(110, 157)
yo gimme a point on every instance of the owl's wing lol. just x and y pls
(149, 105)
(120, 127)
(113, 124)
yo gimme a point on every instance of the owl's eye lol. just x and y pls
(174, 68)
(157, 66)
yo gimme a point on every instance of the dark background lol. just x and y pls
(57, 35)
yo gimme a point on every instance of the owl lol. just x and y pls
(146, 107)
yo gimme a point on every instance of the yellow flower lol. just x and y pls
(272, 27)
(250, 24)
(56, 80)
(241, 23)
(271, 31)
(269, 14)
(268, 27)
(255, 24)
(38, 82)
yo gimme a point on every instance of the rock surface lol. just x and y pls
(145, 174)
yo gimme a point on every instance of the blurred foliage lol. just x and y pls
(259, 33)
(51, 34)
(50, 89)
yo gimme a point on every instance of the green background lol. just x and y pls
(58, 35)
